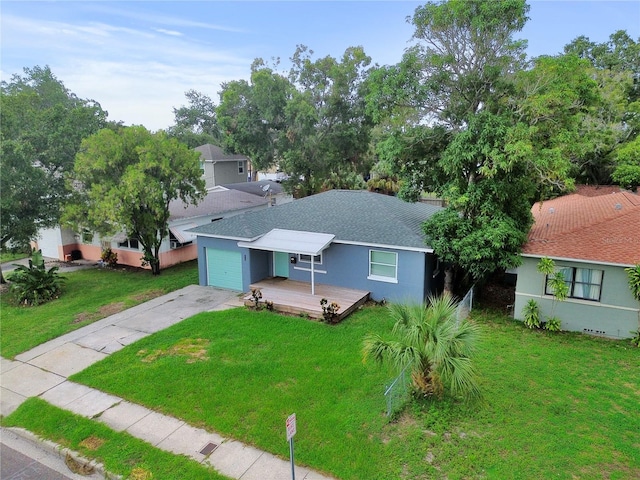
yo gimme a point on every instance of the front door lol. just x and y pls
(281, 264)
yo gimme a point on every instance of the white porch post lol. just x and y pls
(313, 285)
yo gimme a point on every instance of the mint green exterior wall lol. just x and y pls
(615, 315)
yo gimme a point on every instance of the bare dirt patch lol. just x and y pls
(92, 442)
(146, 296)
(104, 311)
(195, 349)
(140, 473)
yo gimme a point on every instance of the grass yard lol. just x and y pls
(119, 452)
(556, 406)
(89, 295)
(6, 257)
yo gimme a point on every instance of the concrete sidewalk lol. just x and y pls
(43, 372)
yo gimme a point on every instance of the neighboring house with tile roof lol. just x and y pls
(178, 247)
(354, 239)
(219, 167)
(592, 236)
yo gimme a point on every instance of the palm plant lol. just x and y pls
(436, 347)
(34, 285)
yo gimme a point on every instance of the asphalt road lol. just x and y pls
(21, 459)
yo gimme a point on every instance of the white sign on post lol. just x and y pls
(291, 426)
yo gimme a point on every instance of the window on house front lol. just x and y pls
(383, 266)
(583, 283)
(240, 168)
(317, 259)
(130, 243)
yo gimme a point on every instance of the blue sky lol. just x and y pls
(138, 58)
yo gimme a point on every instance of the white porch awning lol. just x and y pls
(181, 234)
(291, 241)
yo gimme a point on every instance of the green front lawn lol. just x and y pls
(556, 406)
(89, 295)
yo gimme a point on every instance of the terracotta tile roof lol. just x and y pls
(594, 224)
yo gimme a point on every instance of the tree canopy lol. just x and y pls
(196, 123)
(41, 128)
(124, 182)
(311, 123)
(465, 116)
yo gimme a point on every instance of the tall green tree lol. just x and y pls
(41, 128)
(125, 180)
(196, 123)
(310, 123)
(327, 126)
(436, 348)
(476, 124)
(251, 115)
(452, 89)
(614, 122)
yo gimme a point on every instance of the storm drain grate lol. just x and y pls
(208, 448)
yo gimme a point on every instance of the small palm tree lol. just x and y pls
(430, 341)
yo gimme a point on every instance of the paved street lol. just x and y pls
(23, 460)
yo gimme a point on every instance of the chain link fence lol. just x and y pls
(465, 306)
(397, 393)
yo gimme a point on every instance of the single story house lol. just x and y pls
(62, 243)
(352, 239)
(219, 167)
(592, 236)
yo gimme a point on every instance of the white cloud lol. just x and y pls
(137, 75)
(169, 32)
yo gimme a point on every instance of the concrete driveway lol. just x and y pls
(50, 363)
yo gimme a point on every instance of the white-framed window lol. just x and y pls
(383, 266)
(317, 259)
(583, 283)
(240, 167)
(130, 243)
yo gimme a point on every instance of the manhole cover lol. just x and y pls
(208, 448)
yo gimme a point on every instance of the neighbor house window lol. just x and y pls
(383, 266)
(583, 283)
(240, 168)
(130, 243)
(317, 259)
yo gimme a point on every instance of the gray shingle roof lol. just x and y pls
(216, 202)
(213, 153)
(355, 216)
(255, 188)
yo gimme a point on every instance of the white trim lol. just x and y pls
(579, 301)
(312, 256)
(578, 260)
(304, 269)
(380, 245)
(382, 278)
(223, 237)
(344, 242)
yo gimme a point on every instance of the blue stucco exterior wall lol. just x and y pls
(342, 265)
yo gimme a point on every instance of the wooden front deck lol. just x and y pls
(294, 297)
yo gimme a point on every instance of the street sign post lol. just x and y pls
(291, 431)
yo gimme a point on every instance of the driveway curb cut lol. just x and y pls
(62, 452)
